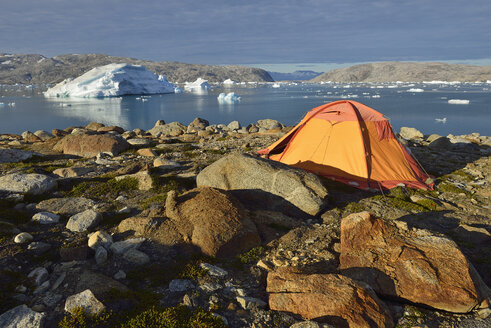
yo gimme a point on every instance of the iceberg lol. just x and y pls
(111, 81)
(229, 98)
(199, 85)
(276, 85)
(415, 90)
(459, 101)
(228, 83)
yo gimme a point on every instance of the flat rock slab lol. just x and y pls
(65, 206)
(34, 184)
(46, 218)
(14, 155)
(409, 264)
(90, 145)
(21, 317)
(334, 298)
(258, 179)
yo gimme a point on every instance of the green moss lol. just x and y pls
(100, 188)
(429, 204)
(156, 199)
(174, 317)
(401, 203)
(192, 271)
(252, 256)
(80, 319)
(460, 173)
(451, 188)
(353, 207)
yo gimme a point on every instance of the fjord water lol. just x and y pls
(287, 104)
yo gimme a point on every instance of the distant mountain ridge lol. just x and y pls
(407, 72)
(295, 76)
(34, 69)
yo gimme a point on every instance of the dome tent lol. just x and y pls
(351, 143)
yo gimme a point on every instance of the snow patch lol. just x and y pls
(111, 81)
(229, 98)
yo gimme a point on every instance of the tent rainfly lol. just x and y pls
(351, 143)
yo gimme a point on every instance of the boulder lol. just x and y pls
(65, 206)
(111, 128)
(139, 142)
(94, 126)
(101, 285)
(234, 125)
(163, 163)
(22, 317)
(72, 172)
(213, 220)
(46, 218)
(14, 155)
(90, 145)
(146, 152)
(85, 300)
(173, 129)
(144, 178)
(100, 238)
(136, 257)
(410, 133)
(441, 143)
(43, 135)
(83, 221)
(23, 237)
(30, 137)
(197, 124)
(35, 184)
(334, 298)
(262, 181)
(269, 124)
(409, 264)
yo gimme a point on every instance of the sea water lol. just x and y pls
(424, 106)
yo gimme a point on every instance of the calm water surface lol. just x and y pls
(288, 104)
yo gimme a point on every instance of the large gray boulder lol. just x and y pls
(269, 124)
(21, 317)
(65, 206)
(85, 145)
(172, 129)
(34, 184)
(257, 180)
(410, 133)
(83, 221)
(86, 300)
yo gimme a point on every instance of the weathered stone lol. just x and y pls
(163, 163)
(441, 143)
(473, 235)
(262, 181)
(334, 298)
(410, 264)
(23, 237)
(46, 218)
(94, 126)
(269, 124)
(72, 172)
(146, 152)
(144, 178)
(22, 317)
(100, 255)
(83, 221)
(121, 247)
(38, 247)
(213, 270)
(14, 155)
(213, 220)
(199, 123)
(43, 135)
(30, 137)
(410, 133)
(100, 284)
(111, 128)
(173, 129)
(91, 145)
(38, 275)
(100, 238)
(34, 184)
(85, 300)
(136, 257)
(139, 142)
(234, 125)
(65, 206)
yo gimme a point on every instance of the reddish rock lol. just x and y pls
(332, 298)
(213, 220)
(409, 264)
(90, 145)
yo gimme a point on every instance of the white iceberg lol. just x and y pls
(110, 81)
(229, 98)
(276, 85)
(459, 101)
(199, 85)
(441, 120)
(415, 90)
(228, 83)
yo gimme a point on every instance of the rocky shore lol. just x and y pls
(184, 226)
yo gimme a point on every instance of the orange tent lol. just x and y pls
(352, 143)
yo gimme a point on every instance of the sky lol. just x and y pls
(285, 34)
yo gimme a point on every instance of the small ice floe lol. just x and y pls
(198, 86)
(276, 85)
(2, 104)
(376, 96)
(459, 101)
(443, 98)
(441, 120)
(415, 90)
(229, 98)
(12, 104)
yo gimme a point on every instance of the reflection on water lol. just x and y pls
(108, 110)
